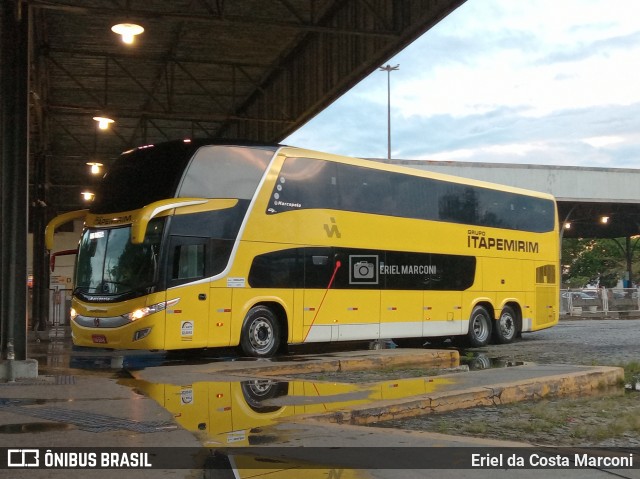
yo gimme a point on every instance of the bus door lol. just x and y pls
(188, 319)
(547, 295)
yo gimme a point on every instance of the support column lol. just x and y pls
(14, 163)
(629, 276)
(39, 212)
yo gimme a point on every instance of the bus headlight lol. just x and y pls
(147, 310)
(73, 314)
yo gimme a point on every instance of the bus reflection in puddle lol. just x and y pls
(232, 413)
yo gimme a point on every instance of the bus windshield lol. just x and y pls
(111, 267)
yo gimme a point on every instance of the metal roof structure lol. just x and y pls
(241, 69)
(225, 69)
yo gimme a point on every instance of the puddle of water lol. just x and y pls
(57, 354)
(633, 386)
(101, 359)
(5, 402)
(94, 360)
(478, 361)
(238, 415)
(234, 413)
(287, 463)
(34, 427)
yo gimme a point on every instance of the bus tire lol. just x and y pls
(480, 324)
(260, 337)
(506, 328)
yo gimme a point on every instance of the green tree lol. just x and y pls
(588, 260)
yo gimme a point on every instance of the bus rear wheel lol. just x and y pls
(479, 327)
(260, 336)
(506, 326)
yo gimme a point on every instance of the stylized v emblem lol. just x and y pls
(332, 229)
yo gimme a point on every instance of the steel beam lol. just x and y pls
(14, 119)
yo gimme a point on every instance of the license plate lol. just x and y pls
(99, 338)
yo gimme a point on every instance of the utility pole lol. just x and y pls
(389, 69)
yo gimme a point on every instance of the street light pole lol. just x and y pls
(389, 69)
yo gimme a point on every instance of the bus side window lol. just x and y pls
(318, 267)
(188, 260)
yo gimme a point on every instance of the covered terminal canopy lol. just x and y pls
(584, 219)
(246, 69)
(249, 69)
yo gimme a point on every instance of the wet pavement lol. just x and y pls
(101, 399)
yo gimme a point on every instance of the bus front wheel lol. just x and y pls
(479, 327)
(260, 333)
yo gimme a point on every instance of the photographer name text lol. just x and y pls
(551, 461)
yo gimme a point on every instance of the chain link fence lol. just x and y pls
(599, 302)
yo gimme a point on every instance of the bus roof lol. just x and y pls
(292, 151)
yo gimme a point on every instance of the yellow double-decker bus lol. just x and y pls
(197, 244)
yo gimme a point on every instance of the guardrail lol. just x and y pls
(601, 301)
(59, 306)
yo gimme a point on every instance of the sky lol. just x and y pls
(552, 82)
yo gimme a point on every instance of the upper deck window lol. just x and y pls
(224, 172)
(178, 169)
(305, 183)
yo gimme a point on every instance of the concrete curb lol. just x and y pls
(374, 360)
(595, 380)
(336, 362)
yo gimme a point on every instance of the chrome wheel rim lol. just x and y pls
(480, 327)
(261, 335)
(507, 326)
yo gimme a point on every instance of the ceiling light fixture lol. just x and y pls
(128, 31)
(604, 220)
(87, 195)
(103, 122)
(95, 167)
